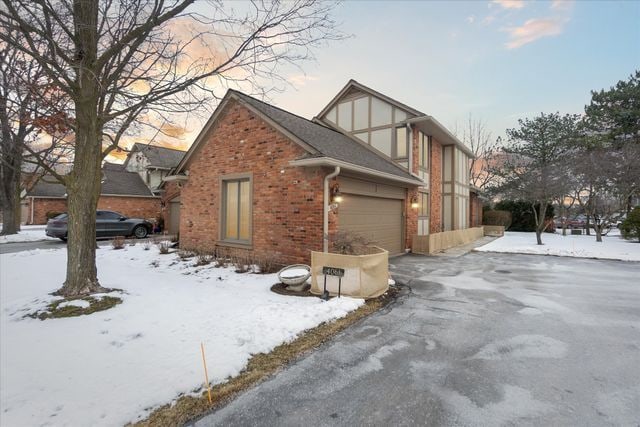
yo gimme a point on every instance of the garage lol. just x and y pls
(374, 211)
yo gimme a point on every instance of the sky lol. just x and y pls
(496, 61)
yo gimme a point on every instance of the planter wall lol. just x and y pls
(366, 276)
(493, 230)
(437, 242)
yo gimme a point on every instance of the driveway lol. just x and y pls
(481, 339)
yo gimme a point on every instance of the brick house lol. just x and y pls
(122, 191)
(259, 178)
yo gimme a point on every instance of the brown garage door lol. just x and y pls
(378, 219)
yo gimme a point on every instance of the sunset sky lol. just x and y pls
(496, 60)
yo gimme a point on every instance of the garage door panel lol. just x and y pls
(378, 219)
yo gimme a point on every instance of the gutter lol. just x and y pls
(328, 161)
(325, 209)
(444, 132)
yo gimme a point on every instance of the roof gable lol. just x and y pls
(353, 89)
(318, 140)
(160, 157)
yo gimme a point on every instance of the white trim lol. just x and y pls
(327, 161)
(442, 134)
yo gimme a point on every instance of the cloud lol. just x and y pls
(301, 79)
(487, 20)
(562, 4)
(532, 30)
(510, 4)
(471, 19)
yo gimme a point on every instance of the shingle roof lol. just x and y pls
(161, 157)
(115, 181)
(328, 142)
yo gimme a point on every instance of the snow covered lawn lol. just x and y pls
(27, 233)
(112, 367)
(612, 246)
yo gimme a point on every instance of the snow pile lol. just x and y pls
(581, 246)
(27, 233)
(292, 273)
(112, 367)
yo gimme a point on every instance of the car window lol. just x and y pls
(108, 215)
(61, 216)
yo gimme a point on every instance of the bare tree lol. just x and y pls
(119, 61)
(478, 138)
(29, 107)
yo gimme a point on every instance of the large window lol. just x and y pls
(423, 210)
(236, 210)
(401, 143)
(423, 140)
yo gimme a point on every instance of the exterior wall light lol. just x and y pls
(414, 202)
(336, 195)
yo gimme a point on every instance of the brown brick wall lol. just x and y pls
(42, 206)
(435, 220)
(475, 210)
(137, 207)
(287, 201)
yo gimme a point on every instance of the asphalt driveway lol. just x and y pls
(482, 339)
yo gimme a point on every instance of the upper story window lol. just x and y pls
(375, 122)
(424, 142)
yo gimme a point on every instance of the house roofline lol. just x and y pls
(353, 83)
(328, 161)
(442, 134)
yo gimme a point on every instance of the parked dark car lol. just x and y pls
(108, 224)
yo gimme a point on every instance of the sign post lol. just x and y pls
(332, 271)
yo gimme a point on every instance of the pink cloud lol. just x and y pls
(532, 30)
(510, 4)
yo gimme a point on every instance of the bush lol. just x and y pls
(348, 243)
(163, 247)
(266, 264)
(146, 245)
(241, 260)
(118, 242)
(52, 214)
(630, 227)
(492, 217)
(522, 217)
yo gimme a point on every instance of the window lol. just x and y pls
(380, 113)
(423, 210)
(381, 140)
(236, 210)
(361, 113)
(344, 115)
(108, 215)
(401, 143)
(332, 115)
(424, 151)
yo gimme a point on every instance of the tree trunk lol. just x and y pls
(539, 217)
(11, 205)
(83, 184)
(598, 233)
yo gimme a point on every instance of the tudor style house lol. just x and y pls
(153, 163)
(271, 182)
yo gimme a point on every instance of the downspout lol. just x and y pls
(325, 218)
(32, 203)
(410, 148)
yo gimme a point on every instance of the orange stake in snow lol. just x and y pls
(206, 374)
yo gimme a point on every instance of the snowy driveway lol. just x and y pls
(483, 339)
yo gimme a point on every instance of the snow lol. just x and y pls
(581, 246)
(294, 272)
(27, 233)
(114, 366)
(75, 303)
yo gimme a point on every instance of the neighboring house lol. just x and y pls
(265, 180)
(122, 191)
(152, 163)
